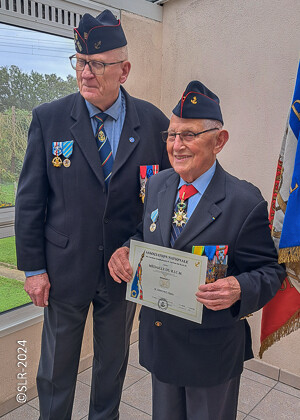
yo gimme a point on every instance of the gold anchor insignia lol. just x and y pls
(197, 264)
(194, 100)
(97, 45)
(293, 189)
(57, 162)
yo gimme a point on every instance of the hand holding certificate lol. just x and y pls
(166, 279)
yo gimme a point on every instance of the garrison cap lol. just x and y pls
(99, 34)
(198, 102)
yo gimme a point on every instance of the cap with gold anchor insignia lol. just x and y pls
(198, 102)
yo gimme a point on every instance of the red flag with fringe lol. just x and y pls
(281, 315)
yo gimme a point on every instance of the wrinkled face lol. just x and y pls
(103, 90)
(190, 160)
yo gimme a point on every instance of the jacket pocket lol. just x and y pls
(56, 238)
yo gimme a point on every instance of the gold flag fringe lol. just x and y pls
(290, 326)
(289, 255)
(295, 267)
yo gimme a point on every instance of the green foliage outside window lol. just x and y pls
(19, 93)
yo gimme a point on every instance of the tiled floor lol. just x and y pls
(260, 397)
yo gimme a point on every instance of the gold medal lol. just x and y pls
(57, 162)
(152, 227)
(66, 163)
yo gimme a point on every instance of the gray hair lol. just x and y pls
(122, 52)
(208, 124)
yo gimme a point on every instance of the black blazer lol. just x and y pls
(233, 213)
(65, 220)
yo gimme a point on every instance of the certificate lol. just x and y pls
(166, 279)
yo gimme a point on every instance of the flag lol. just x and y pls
(281, 315)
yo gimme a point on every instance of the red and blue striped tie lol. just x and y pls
(104, 148)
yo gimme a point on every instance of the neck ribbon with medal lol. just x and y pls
(180, 217)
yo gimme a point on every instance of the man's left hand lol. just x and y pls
(221, 294)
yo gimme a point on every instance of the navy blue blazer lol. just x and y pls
(65, 220)
(231, 212)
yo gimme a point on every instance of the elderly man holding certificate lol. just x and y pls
(198, 207)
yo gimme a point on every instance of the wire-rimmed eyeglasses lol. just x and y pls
(185, 136)
(96, 67)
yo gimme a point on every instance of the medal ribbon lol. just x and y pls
(221, 252)
(187, 191)
(210, 251)
(67, 148)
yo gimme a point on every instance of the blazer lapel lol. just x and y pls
(166, 200)
(130, 138)
(84, 136)
(206, 211)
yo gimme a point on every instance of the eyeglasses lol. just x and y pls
(185, 136)
(96, 67)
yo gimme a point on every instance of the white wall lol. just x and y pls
(247, 53)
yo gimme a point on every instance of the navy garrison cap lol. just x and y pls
(198, 102)
(99, 34)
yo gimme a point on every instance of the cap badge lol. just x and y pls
(194, 100)
(78, 45)
(97, 45)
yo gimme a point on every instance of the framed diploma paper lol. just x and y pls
(166, 279)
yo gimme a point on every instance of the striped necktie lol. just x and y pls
(104, 148)
(179, 218)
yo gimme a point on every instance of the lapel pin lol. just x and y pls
(131, 139)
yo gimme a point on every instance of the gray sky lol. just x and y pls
(32, 50)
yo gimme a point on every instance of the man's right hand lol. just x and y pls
(119, 266)
(37, 287)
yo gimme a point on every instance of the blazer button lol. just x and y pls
(158, 323)
(100, 247)
(106, 220)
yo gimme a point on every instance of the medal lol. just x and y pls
(154, 217)
(152, 227)
(146, 171)
(66, 163)
(57, 151)
(67, 150)
(180, 217)
(57, 162)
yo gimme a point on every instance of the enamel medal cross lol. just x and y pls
(180, 216)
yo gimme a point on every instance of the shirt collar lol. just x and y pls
(114, 111)
(202, 182)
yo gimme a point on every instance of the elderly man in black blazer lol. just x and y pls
(196, 368)
(78, 201)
